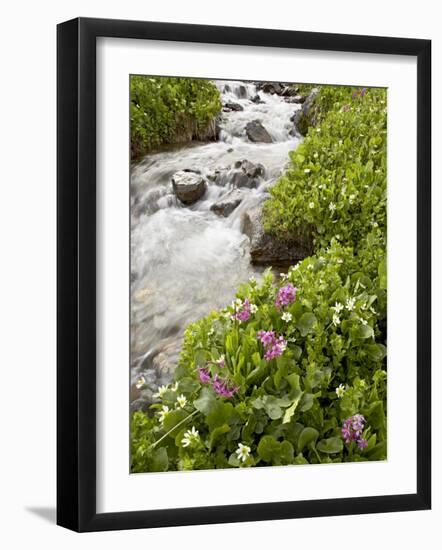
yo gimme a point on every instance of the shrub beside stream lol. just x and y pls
(171, 110)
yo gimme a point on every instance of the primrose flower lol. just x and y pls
(352, 429)
(243, 452)
(204, 375)
(286, 316)
(161, 391)
(243, 311)
(274, 346)
(189, 437)
(340, 390)
(336, 320)
(223, 387)
(163, 413)
(140, 383)
(286, 295)
(181, 400)
(350, 304)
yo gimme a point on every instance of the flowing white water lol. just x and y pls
(186, 260)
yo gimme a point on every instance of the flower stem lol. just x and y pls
(171, 430)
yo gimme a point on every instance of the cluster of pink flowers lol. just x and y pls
(224, 387)
(360, 93)
(352, 429)
(286, 295)
(221, 386)
(274, 346)
(243, 312)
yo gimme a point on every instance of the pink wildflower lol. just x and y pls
(223, 387)
(286, 295)
(204, 375)
(273, 346)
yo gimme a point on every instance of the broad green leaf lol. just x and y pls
(306, 437)
(160, 460)
(330, 446)
(172, 419)
(291, 410)
(268, 448)
(206, 402)
(306, 322)
(217, 433)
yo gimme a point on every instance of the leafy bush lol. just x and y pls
(293, 372)
(336, 183)
(170, 110)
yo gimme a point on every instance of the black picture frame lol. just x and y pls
(77, 287)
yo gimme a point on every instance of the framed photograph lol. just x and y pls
(243, 274)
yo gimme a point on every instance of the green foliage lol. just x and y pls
(169, 110)
(290, 409)
(286, 409)
(336, 182)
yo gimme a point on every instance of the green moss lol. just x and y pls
(167, 110)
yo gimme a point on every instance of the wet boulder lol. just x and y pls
(252, 170)
(308, 114)
(266, 249)
(231, 106)
(257, 133)
(188, 186)
(271, 87)
(225, 205)
(256, 99)
(246, 174)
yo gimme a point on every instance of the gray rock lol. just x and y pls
(188, 186)
(271, 87)
(227, 204)
(239, 179)
(257, 133)
(265, 249)
(308, 114)
(256, 99)
(231, 106)
(252, 170)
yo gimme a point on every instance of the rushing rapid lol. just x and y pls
(187, 260)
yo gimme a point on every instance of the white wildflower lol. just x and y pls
(340, 390)
(253, 308)
(189, 437)
(181, 400)
(336, 320)
(286, 316)
(161, 391)
(338, 307)
(363, 321)
(163, 413)
(243, 452)
(332, 206)
(307, 171)
(174, 387)
(140, 382)
(350, 304)
(311, 204)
